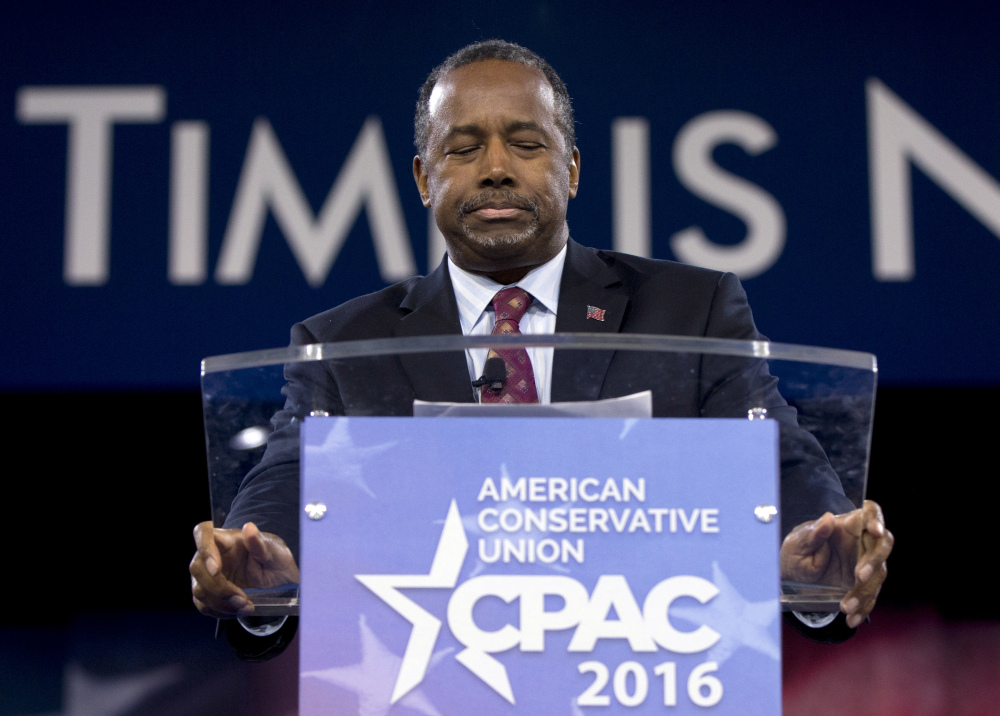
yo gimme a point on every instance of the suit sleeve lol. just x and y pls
(731, 386)
(269, 494)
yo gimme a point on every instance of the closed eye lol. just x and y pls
(463, 151)
(528, 150)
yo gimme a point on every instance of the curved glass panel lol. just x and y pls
(822, 399)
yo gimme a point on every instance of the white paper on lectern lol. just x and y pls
(637, 405)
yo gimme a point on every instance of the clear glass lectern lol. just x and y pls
(823, 399)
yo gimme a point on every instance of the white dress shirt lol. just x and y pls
(474, 295)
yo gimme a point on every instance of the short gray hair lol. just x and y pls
(493, 50)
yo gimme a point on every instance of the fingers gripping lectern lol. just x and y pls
(620, 548)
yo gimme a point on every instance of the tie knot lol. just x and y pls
(511, 303)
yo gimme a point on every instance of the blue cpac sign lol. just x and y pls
(620, 574)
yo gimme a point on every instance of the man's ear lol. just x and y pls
(574, 172)
(420, 177)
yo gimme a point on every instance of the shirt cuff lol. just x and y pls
(262, 626)
(816, 620)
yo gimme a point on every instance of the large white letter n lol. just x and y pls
(897, 135)
(267, 182)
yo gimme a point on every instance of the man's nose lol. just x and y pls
(496, 168)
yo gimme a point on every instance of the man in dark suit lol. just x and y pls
(497, 163)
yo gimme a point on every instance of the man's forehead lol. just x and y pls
(491, 80)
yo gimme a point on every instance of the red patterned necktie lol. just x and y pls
(510, 305)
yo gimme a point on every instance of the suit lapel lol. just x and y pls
(586, 282)
(430, 310)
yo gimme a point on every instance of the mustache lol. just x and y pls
(499, 196)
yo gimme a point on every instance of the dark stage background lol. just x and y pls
(801, 117)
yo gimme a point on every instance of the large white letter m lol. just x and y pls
(268, 183)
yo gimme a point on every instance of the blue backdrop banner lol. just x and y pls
(188, 179)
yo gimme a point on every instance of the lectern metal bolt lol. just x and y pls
(765, 513)
(315, 510)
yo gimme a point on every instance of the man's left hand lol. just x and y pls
(838, 550)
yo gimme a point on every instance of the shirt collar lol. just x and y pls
(474, 293)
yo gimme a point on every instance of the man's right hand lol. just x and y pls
(229, 560)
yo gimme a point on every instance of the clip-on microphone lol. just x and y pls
(494, 375)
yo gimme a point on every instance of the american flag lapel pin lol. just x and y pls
(596, 313)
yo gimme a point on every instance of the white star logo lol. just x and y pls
(448, 559)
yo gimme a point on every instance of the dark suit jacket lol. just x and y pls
(638, 295)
